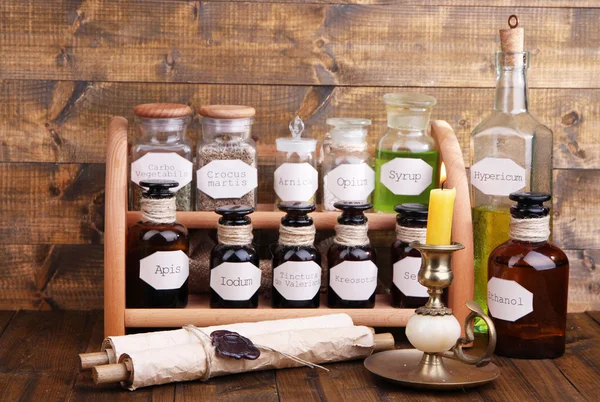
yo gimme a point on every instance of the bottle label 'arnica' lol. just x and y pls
(406, 176)
(498, 176)
(405, 277)
(162, 166)
(236, 281)
(508, 300)
(297, 280)
(354, 280)
(295, 181)
(165, 270)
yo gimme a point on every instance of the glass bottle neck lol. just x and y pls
(511, 90)
(409, 123)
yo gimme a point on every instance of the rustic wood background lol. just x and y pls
(67, 66)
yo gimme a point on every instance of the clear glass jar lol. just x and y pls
(407, 160)
(226, 158)
(510, 151)
(347, 169)
(296, 177)
(162, 151)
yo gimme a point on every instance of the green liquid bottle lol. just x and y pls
(407, 161)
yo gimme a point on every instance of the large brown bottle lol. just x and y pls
(528, 284)
(157, 264)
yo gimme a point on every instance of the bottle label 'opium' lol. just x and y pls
(351, 181)
(406, 176)
(162, 166)
(405, 277)
(295, 181)
(226, 179)
(498, 176)
(508, 300)
(297, 280)
(165, 270)
(235, 280)
(354, 280)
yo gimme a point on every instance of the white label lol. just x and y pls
(406, 277)
(296, 181)
(235, 280)
(165, 270)
(354, 280)
(406, 176)
(162, 166)
(508, 300)
(227, 179)
(351, 182)
(497, 176)
(297, 280)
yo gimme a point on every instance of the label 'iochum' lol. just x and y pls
(162, 166)
(354, 280)
(235, 280)
(508, 300)
(497, 176)
(297, 280)
(295, 181)
(406, 176)
(226, 178)
(406, 277)
(165, 270)
(351, 181)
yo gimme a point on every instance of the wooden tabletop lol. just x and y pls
(38, 362)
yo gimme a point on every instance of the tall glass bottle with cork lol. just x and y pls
(510, 151)
(407, 161)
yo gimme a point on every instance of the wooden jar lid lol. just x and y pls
(227, 111)
(162, 110)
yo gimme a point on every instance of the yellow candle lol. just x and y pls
(439, 220)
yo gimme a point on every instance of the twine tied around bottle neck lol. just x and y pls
(234, 235)
(407, 234)
(531, 230)
(158, 210)
(352, 235)
(299, 236)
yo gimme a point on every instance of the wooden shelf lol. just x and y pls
(266, 217)
(198, 312)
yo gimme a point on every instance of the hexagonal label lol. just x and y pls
(508, 300)
(498, 176)
(235, 280)
(354, 280)
(226, 178)
(297, 280)
(163, 166)
(351, 182)
(165, 270)
(406, 277)
(295, 181)
(406, 176)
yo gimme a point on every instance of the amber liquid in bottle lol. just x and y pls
(538, 267)
(235, 216)
(308, 274)
(144, 239)
(352, 215)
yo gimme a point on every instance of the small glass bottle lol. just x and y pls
(347, 169)
(296, 177)
(162, 151)
(296, 260)
(352, 260)
(234, 266)
(157, 264)
(227, 158)
(407, 160)
(528, 284)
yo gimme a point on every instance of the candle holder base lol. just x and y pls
(415, 369)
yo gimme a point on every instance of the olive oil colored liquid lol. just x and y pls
(490, 229)
(384, 199)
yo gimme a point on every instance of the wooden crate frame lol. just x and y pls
(117, 219)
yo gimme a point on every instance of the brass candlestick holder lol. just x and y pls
(438, 362)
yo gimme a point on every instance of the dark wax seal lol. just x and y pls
(232, 344)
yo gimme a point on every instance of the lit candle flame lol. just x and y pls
(443, 175)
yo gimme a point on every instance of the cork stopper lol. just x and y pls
(227, 111)
(162, 110)
(512, 39)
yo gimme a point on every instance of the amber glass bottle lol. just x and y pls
(235, 273)
(296, 261)
(157, 265)
(528, 284)
(351, 260)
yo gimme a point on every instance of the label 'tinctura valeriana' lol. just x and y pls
(297, 280)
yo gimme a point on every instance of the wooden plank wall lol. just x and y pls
(67, 66)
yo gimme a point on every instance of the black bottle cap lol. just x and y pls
(158, 188)
(234, 215)
(529, 205)
(412, 214)
(296, 213)
(353, 212)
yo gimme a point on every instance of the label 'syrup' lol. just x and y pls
(354, 280)
(165, 270)
(297, 280)
(162, 166)
(406, 277)
(351, 182)
(295, 181)
(508, 300)
(406, 176)
(226, 178)
(235, 280)
(497, 176)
